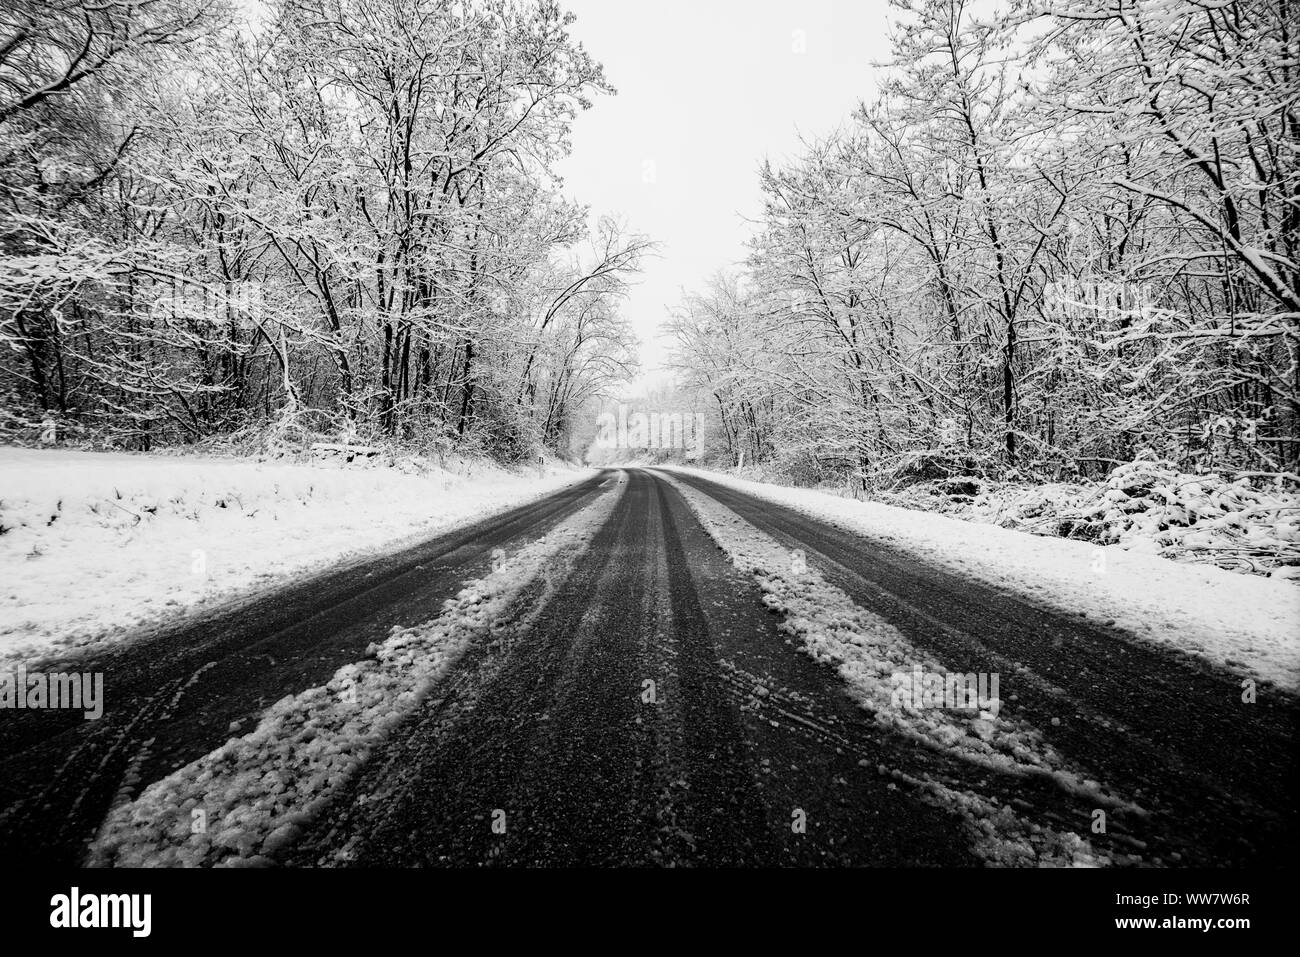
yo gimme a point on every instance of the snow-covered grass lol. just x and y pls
(867, 652)
(1245, 623)
(95, 543)
(256, 792)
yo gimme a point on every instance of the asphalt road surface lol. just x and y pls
(649, 710)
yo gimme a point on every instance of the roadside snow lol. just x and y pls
(254, 793)
(1145, 506)
(1245, 623)
(94, 543)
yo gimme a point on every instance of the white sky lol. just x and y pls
(706, 89)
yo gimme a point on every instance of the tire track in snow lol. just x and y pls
(867, 651)
(555, 734)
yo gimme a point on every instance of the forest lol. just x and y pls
(335, 218)
(1061, 238)
(1054, 240)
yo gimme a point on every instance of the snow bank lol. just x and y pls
(249, 799)
(1245, 623)
(1145, 506)
(92, 543)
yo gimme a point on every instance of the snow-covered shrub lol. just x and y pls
(1244, 523)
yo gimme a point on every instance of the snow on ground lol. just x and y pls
(256, 792)
(868, 652)
(1145, 506)
(93, 543)
(1245, 623)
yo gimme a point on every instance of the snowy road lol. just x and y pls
(635, 696)
(1168, 731)
(554, 726)
(179, 695)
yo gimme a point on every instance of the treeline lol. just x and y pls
(340, 218)
(1061, 237)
